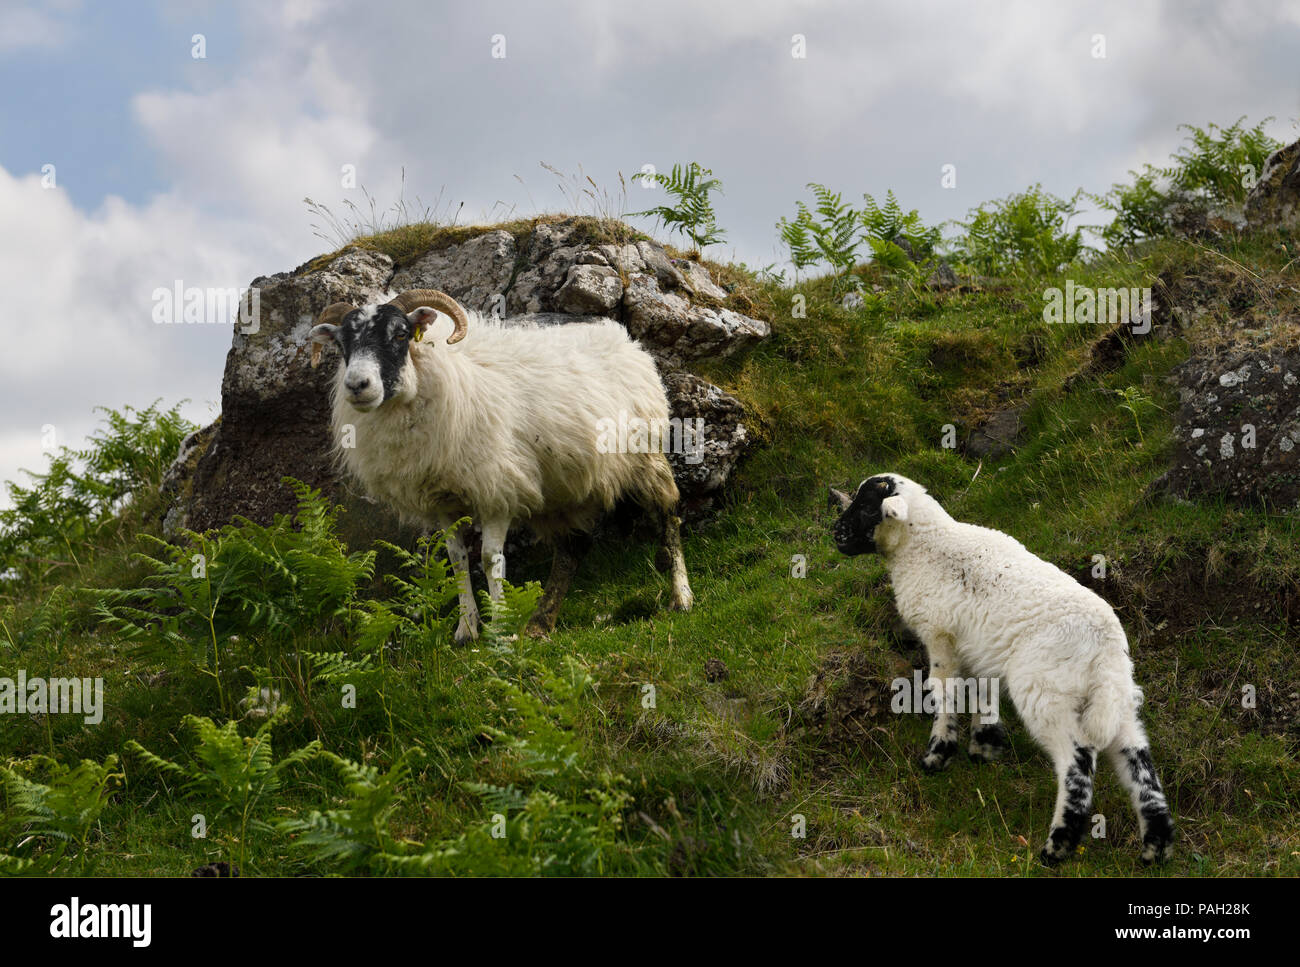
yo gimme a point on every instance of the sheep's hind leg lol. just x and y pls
(943, 734)
(988, 736)
(569, 552)
(467, 627)
(1131, 758)
(671, 559)
(1075, 766)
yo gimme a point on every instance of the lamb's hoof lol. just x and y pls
(1157, 837)
(465, 636)
(987, 743)
(1153, 853)
(933, 763)
(937, 755)
(1060, 845)
(1157, 849)
(986, 754)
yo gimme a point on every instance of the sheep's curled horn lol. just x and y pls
(407, 302)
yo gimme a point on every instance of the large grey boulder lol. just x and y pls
(1237, 432)
(699, 282)
(275, 408)
(677, 332)
(591, 289)
(1274, 202)
(544, 262)
(702, 471)
(477, 272)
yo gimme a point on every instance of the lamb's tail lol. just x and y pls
(1113, 697)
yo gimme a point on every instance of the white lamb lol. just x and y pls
(983, 604)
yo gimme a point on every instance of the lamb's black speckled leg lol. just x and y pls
(988, 737)
(1137, 772)
(1073, 803)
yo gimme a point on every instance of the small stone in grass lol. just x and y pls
(715, 670)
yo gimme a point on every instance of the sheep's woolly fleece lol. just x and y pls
(504, 424)
(983, 604)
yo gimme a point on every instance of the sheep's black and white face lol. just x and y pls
(375, 342)
(877, 499)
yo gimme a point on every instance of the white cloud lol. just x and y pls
(77, 317)
(260, 145)
(23, 28)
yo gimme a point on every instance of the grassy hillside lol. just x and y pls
(620, 745)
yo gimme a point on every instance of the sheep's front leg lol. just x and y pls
(1075, 766)
(467, 627)
(943, 735)
(494, 559)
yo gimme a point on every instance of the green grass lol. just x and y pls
(405, 244)
(718, 771)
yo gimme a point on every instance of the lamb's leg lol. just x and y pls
(494, 560)
(988, 736)
(1131, 757)
(943, 734)
(1075, 764)
(682, 597)
(467, 627)
(569, 552)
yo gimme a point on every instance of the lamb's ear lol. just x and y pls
(895, 507)
(420, 320)
(837, 500)
(322, 335)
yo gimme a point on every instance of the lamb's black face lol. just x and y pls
(855, 531)
(375, 342)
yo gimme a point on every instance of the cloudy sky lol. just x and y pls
(127, 163)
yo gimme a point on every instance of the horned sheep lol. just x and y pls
(500, 425)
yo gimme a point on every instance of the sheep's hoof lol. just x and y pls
(537, 629)
(466, 634)
(937, 754)
(1157, 837)
(683, 602)
(987, 743)
(1061, 842)
(1157, 849)
(1153, 853)
(1049, 857)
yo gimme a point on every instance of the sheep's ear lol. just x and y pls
(420, 320)
(838, 499)
(322, 335)
(895, 507)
